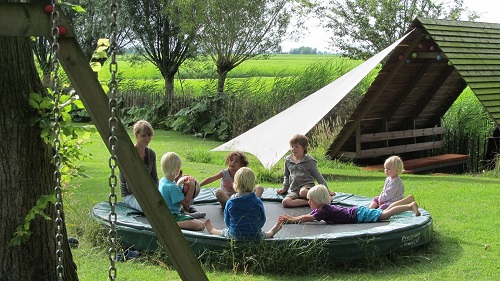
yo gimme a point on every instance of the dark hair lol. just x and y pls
(301, 140)
(243, 158)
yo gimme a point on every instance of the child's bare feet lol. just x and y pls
(277, 227)
(414, 208)
(209, 226)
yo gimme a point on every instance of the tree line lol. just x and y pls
(167, 32)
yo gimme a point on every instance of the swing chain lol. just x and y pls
(112, 142)
(57, 143)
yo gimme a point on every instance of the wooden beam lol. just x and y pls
(28, 19)
(33, 21)
(437, 83)
(401, 97)
(426, 163)
(402, 134)
(143, 187)
(400, 149)
(374, 97)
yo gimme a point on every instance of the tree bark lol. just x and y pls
(169, 87)
(26, 172)
(221, 81)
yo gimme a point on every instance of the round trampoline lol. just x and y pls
(341, 241)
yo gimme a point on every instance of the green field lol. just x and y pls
(194, 75)
(465, 246)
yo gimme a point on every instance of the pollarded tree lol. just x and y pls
(26, 173)
(237, 30)
(91, 21)
(362, 28)
(164, 33)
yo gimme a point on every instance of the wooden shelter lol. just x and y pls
(401, 111)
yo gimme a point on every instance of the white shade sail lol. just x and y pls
(269, 141)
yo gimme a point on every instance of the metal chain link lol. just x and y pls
(57, 143)
(112, 141)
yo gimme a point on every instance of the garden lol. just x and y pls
(463, 247)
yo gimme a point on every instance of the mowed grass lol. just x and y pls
(464, 208)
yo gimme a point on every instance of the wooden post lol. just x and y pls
(22, 19)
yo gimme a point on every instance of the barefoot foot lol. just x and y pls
(208, 225)
(414, 208)
(277, 227)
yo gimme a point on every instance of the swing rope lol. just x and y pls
(57, 143)
(112, 141)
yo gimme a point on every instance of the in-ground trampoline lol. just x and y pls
(340, 241)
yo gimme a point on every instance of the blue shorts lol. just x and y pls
(368, 215)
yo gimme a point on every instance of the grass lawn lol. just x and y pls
(465, 244)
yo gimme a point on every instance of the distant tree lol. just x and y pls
(90, 21)
(165, 33)
(237, 30)
(362, 28)
(304, 51)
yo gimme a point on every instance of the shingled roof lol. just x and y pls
(422, 78)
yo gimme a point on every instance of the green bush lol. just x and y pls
(203, 118)
(468, 115)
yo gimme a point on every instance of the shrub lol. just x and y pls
(203, 118)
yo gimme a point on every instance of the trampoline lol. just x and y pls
(341, 241)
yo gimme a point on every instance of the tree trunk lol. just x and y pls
(169, 88)
(221, 81)
(26, 172)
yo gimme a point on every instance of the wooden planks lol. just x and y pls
(427, 163)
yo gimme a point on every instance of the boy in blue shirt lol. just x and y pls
(244, 214)
(172, 193)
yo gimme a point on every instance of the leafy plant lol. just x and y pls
(23, 232)
(204, 118)
(467, 114)
(71, 137)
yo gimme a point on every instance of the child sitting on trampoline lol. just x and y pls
(299, 174)
(394, 189)
(234, 161)
(319, 200)
(172, 193)
(244, 214)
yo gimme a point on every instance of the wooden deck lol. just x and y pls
(428, 163)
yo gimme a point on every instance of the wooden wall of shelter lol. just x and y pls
(401, 111)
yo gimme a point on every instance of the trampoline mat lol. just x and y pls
(342, 241)
(207, 202)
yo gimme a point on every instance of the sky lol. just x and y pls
(318, 37)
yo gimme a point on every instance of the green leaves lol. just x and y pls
(363, 28)
(204, 118)
(23, 232)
